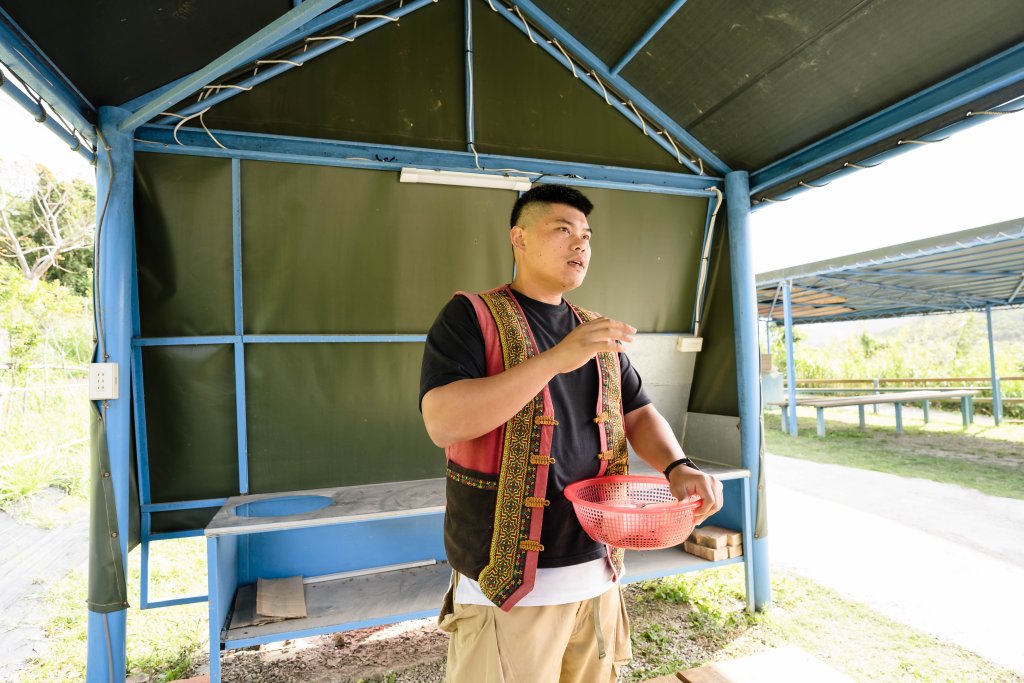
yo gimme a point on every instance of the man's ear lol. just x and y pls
(517, 236)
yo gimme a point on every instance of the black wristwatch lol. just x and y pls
(676, 463)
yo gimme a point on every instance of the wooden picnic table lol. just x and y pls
(966, 397)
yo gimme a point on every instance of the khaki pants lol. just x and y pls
(579, 642)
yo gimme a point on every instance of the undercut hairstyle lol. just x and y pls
(551, 194)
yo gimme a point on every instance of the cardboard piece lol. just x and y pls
(282, 598)
(246, 612)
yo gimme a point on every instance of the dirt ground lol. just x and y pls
(967, 448)
(414, 651)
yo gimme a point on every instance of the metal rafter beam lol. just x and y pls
(392, 157)
(970, 85)
(33, 67)
(648, 34)
(589, 60)
(934, 273)
(961, 300)
(290, 62)
(34, 109)
(876, 297)
(246, 50)
(323, 21)
(1020, 286)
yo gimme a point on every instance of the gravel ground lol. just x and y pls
(415, 651)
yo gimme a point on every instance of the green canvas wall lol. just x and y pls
(342, 251)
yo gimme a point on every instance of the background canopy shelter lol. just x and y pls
(973, 270)
(963, 271)
(265, 281)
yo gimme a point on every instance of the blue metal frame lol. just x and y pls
(787, 308)
(114, 191)
(324, 20)
(970, 85)
(261, 147)
(748, 361)
(997, 398)
(648, 34)
(300, 58)
(617, 83)
(870, 162)
(36, 110)
(24, 58)
(248, 49)
(239, 343)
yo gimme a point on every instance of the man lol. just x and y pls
(527, 394)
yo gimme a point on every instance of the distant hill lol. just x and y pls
(1007, 326)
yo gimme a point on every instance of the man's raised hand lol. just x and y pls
(589, 339)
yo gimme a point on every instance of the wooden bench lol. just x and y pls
(896, 398)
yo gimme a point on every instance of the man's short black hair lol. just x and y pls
(551, 194)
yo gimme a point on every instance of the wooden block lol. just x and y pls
(711, 554)
(782, 665)
(716, 537)
(664, 679)
(735, 550)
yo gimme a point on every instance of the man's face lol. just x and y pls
(553, 244)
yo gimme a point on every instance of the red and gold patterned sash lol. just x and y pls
(516, 541)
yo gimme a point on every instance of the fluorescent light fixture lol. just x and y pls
(497, 182)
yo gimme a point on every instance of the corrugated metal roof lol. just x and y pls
(962, 271)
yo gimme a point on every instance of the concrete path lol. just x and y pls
(30, 561)
(940, 558)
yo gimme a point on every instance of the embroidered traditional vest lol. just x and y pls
(497, 482)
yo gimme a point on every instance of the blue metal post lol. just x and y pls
(787, 311)
(236, 266)
(115, 232)
(997, 399)
(744, 299)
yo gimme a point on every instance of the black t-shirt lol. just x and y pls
(455, 350)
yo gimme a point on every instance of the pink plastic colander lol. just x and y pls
(632, 512)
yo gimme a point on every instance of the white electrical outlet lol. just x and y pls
(102, 381)
(689, 344)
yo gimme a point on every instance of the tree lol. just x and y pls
(46, 227)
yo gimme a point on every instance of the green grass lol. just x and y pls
(988, 459)
(162, 643)
(677, 623)
(33, 429)
(712, 625)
